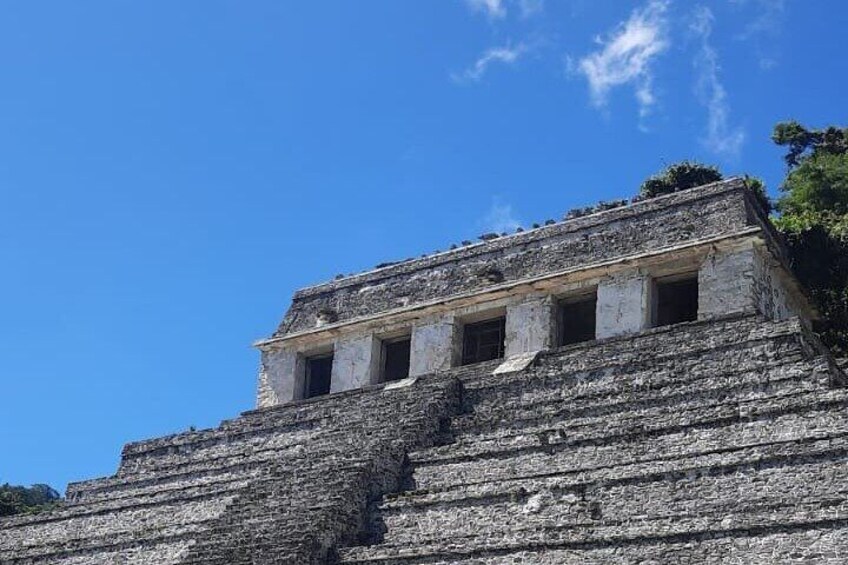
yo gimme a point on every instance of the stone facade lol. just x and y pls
(711, 442)
(717, 234)
(718, 439)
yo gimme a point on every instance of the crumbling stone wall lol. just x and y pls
(645, 227)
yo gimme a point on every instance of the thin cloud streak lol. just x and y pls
(503, 55)
(627, 55)
(530, 8)
(500, 218)
(769, 18)
(494, 9)
(763, 29)
(720, 138)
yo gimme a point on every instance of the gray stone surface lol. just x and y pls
(278, 377)
(710, 442)
(530, 325)
(649, 226)
(717, 441)
(434, 345)
(356, 363)
(623, 304)
(282, 485)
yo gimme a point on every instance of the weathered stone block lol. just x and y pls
(530, 325)
(623, 304)
(356, 363)
(434, 346)
(725, 283)
(278, 377)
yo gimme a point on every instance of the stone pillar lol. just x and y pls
(530, 325)
(356, 363)
(279, 377)
(726, 283)
(433, 347)
(744, 280)
(623, 304)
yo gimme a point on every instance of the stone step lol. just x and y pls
(483, 385)
(549, 435)
(820, 514)
(137, 499)
(331, 443)
(792, 435)
(551, 425)
(160, 552)
(516, 414)
(337, 412)
(674, 342)
(824, 544)
(620, 434)
(546, 382)
(713, 492)
(100, 531)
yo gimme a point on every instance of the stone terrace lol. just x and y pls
(283, 485)
(719, 442)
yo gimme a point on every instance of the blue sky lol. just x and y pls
(171, 172)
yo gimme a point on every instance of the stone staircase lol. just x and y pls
(280, 485)
(717, 442)
(713, 442)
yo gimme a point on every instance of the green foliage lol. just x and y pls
(758, 187)
(689, 174)
(680, 176)
(814, 219)
(18, 499)
(802, 142)
(818, 184)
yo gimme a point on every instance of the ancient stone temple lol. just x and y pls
(636, 385)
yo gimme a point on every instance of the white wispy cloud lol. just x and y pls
(530, 7)
(500, 218)
(504, 55)
(769, 18)
(721, 137)
(626, 56)
(764, 28)
(495, 9)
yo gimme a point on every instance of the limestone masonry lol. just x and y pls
(634, 386)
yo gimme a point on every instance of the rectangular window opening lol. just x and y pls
(675, 301)
(483, 341)
(577, 320)
(396, 359)
(318, 374)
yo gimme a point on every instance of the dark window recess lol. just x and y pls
(577, 320)
(676, 301)
(396, 360)
(483, 341)
(318, 372)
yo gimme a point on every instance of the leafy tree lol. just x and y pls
(814, 219)
(19, 499)
(689, 174)
(679, 176)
